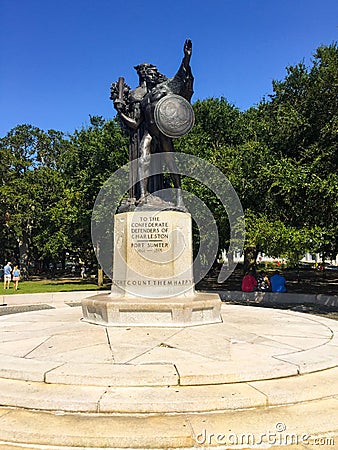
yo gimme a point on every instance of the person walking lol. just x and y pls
(16, 277)
(83, 272)
(7, 275)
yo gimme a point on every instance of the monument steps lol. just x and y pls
(168, 399)
(45, 430)
(66, 384)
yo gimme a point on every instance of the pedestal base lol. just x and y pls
(203, 308)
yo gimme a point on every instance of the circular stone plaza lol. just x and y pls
(262, 378)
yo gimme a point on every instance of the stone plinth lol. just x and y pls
(153, 280)
(152, 255)
(199, 309)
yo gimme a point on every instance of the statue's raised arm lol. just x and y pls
(182, 82)
(187, 54)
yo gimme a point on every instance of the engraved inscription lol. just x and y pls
(149, 234)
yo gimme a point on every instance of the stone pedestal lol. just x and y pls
(152, 281)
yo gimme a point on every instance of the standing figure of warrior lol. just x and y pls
(157, 87)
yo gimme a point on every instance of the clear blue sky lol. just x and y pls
(59, 57)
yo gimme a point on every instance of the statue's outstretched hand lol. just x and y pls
(188, 47)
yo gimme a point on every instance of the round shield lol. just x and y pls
(174, 116)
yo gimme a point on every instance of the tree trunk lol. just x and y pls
(250, 257)
(99, 269)
(23, 244)
(63, 260)
(99, 276)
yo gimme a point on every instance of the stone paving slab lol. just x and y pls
(304, 388)
(21, 347)
(181, 399)
(114, 374)
(43, 396)
(95, 353)
(129, 343)
(24, 369)
(318, 358)
(214, 372)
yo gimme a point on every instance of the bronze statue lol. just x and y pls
(157, 111)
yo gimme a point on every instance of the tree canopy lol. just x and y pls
(280, 156)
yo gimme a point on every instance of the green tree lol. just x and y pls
(31, 190)
(281, 158)
(93, 155)
(303, 118)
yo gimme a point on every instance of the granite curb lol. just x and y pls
(51, 298)
(280, 298)
(257, 297)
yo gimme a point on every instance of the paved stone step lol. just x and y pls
(306, 425)
(183, 372)
(91, 374)
(168, 399)
(43, 396)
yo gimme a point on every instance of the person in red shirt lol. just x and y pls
(249, 283)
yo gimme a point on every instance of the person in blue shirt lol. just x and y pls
(16, 277)
(278, 282)
(7, 275)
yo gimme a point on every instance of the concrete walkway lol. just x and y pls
(264, 376)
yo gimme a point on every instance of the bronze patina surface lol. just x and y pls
(174, 116)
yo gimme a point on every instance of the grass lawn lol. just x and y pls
(36, 287)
